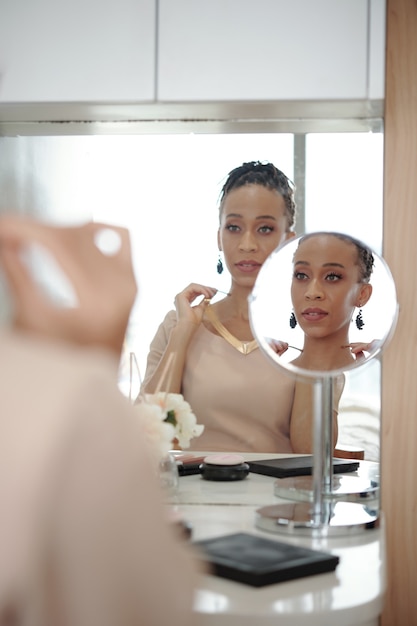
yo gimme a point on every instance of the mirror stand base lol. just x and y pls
(346, 488)
(335, 519)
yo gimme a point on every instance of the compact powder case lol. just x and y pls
(224, 467)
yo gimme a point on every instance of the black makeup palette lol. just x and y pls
(222, 467)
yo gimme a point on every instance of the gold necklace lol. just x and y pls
(245, 347)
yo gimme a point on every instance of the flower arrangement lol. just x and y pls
(167, 417)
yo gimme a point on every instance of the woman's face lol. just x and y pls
(253, 223)
(325, 287)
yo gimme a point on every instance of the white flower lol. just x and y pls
(186, 426)
(165, 417)
(159, 434)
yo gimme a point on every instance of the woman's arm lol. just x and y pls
(166, 360)
(302, 415)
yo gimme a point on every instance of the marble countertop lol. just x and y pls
(352, 595)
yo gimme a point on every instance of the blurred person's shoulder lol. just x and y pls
(32, 355)
(53, 381)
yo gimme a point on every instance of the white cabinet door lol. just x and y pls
(77, 50)
(217, 50)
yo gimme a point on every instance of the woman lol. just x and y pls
(208, 352)
(331, 274)
(72, 453)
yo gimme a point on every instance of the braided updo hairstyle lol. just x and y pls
(366, 259)
(267, 175)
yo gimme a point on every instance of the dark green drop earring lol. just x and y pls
(359, 320)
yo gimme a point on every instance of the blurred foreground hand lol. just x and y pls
(104, 283)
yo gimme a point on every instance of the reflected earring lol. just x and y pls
(293, 321)
(359, 320)
(219, 266)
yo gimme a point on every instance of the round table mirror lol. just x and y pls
(324, 304)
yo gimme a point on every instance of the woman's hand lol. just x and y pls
(188, 312)
(104, 284)
(278, 346)
(358, 349)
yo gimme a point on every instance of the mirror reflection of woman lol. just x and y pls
(331, 274)
(207, 351)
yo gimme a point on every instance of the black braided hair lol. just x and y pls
(366, 259)
(267, 175)
(365, 256)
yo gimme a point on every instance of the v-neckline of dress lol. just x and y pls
(244, 347)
